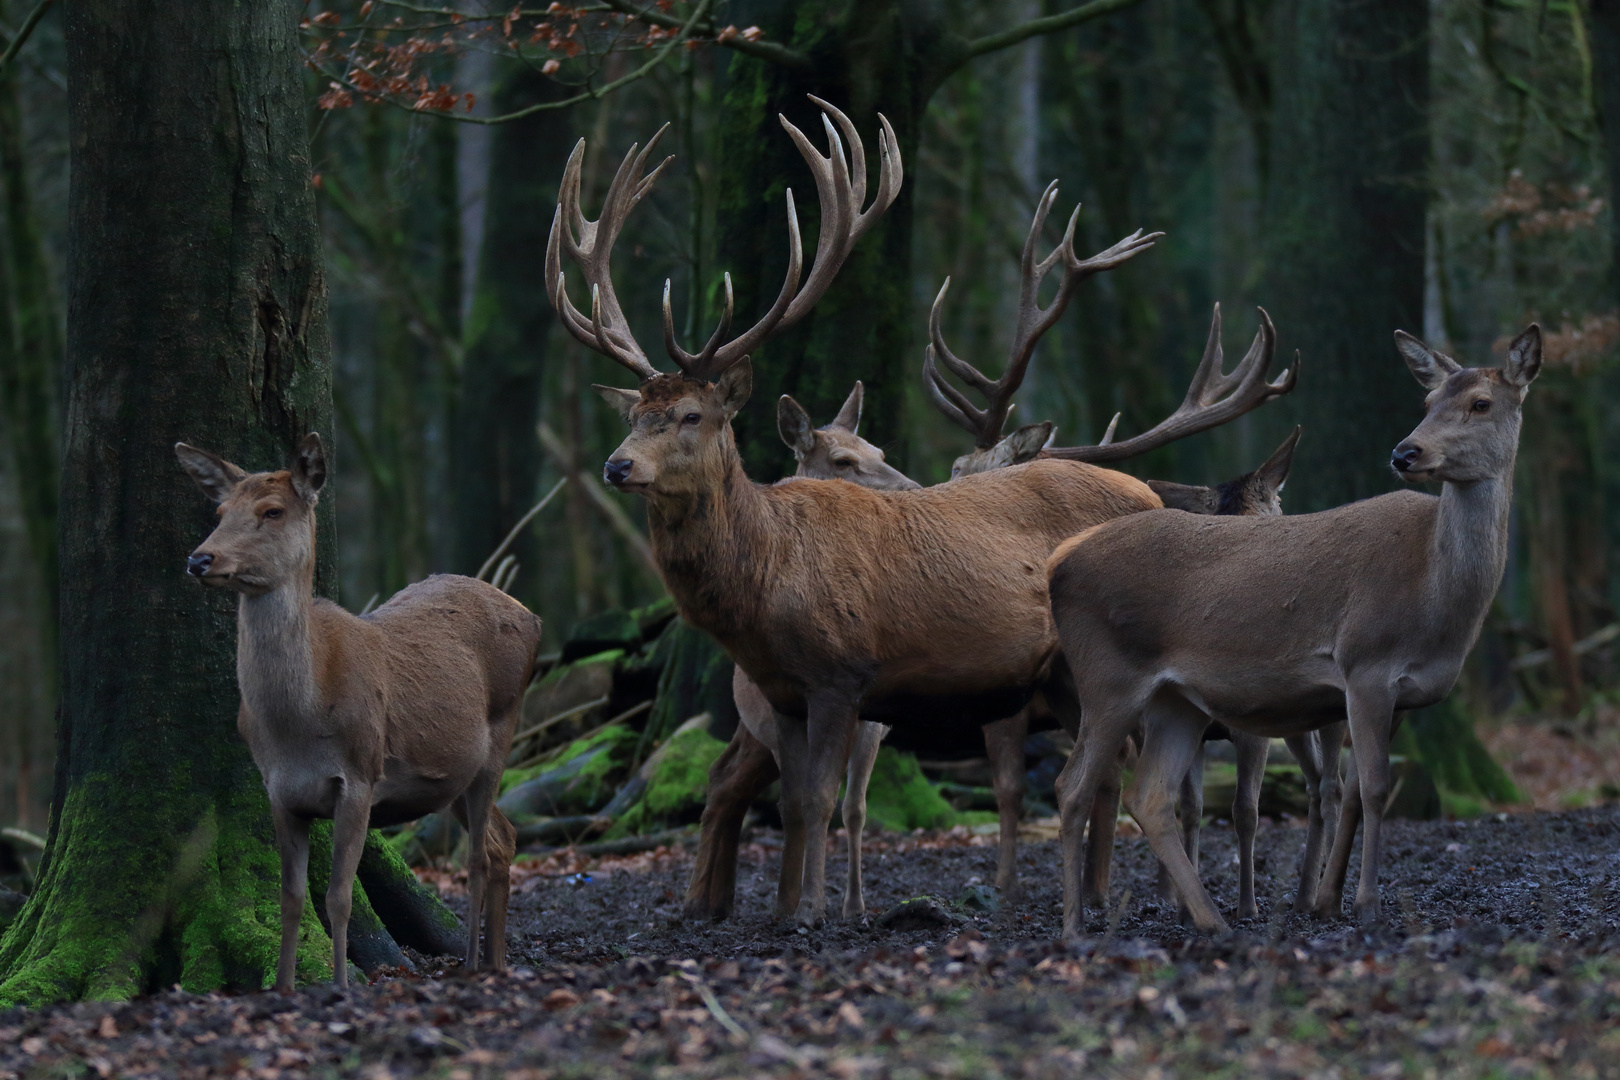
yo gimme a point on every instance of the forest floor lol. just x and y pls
(1497, 960)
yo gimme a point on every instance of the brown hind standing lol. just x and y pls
(1280, 626)
(841, 603)
(367, 721)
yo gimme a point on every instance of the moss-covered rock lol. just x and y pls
(676, 782)
(900, 798)
(578, 780)
(1442, 737)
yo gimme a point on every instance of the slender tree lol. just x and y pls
(197, 311)
(496, 454)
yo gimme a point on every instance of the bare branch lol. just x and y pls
(24, 32)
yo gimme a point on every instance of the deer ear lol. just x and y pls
(621, 400)
(1524, 357)
(216, 476)
(1431, 368)
(1274, 473)
(309, 468)
(1023, 444)
(794, 425)
(1188, 497)
(849, 417)
(734, 386)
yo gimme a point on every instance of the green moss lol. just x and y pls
(591, 781)
(1444, 740)
(677, 786)
(195, 904)
(900, 798)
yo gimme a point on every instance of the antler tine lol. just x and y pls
(949, 400)
(1208, 403)
(936, 336)
(693, 362)
(589, 245)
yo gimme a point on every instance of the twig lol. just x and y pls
(621, 718)
(1113, 920)
(522, 521)
(371, 603)
(24, 837)
(559, 718)
(1580, 648)
(712, 1003)
(616, 517)
(24, 32)
(548, 106)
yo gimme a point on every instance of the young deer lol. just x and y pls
(841, 603)
(367, 721)
(1365, 609)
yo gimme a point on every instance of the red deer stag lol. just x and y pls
(367, 721)
(1365, 609)
(837, 602)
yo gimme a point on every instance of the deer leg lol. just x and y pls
(292, 840)
(1330, 897)
(1100, 831)
(1304, 750)
(1372, 714)
(501, 846)
(1004, 743)
(830, 730)
(1190, 811)
(1094, 757)
(868, 737)
(349, 822)
(475, 805)
(1174, 737)
(793, 757)
(1252, 751)
(736, 779)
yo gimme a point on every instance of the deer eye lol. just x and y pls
(1482, 405)
(692, 418)
(843, 462)
(274, 512)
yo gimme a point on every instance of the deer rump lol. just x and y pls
(941, 592)
(1203, 646)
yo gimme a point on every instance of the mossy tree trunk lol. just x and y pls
(197, 312)
(1348, 189)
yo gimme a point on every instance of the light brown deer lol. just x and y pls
(366, 721)
(841, 603)
(1280, 626)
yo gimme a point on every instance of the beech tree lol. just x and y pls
(197, 312)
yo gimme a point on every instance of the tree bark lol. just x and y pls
(867, 59)
(1603, 23)
(1346, 203)
(496, 454)
(197, 312)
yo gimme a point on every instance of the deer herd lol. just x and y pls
(1035, 589)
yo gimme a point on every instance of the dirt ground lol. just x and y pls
(1496, 960)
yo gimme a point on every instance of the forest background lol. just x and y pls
(1352, 167)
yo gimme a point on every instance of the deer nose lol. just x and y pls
(1405, 456)
(617, 470)
(198, 564)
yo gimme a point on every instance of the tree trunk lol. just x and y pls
(1603, 22)
(197, 313)
(865, 59)
(496, 453)
(1347, 194)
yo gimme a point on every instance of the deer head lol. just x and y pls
(681, 423)
(836, 452)
(1255, 494)
(266, 532)
(1470, 430)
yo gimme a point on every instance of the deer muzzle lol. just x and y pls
(1406, 456)
(199, 563)
(617, 470)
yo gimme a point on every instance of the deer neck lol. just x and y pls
(1469, 550)
(275, 654)
(714, 549)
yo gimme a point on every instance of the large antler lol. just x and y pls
(840, 185)
(986, 424)
(1213, 398)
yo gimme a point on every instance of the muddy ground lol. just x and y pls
(1497, 959)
